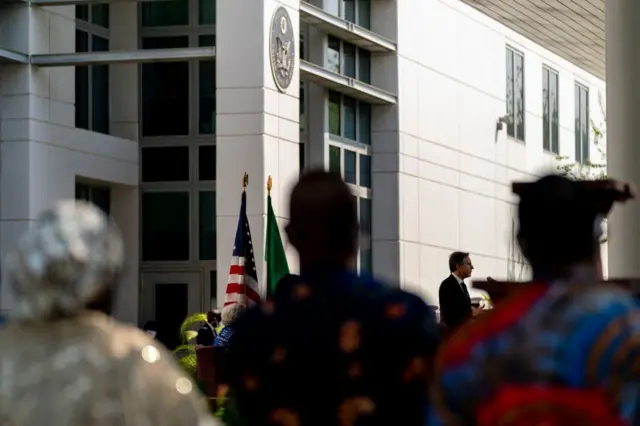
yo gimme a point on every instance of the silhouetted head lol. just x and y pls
(323, 224)
(561, 220)
(67, 262)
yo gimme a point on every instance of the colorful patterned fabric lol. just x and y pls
(547, 336)
(334, 349)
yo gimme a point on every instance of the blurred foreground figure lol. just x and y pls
(334, 348)
(565, 349)
(64, 361)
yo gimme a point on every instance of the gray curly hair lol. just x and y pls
(231, 312)
(67, 259)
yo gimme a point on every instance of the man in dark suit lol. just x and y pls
(455, 303)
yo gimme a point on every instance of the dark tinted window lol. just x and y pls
(165, 226)
(165, 164)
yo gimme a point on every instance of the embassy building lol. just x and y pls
(428, 108)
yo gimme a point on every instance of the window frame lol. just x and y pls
(93, 30)
(551, 145)
(580, 121)
(342, 15)
(516, 53)
(358, 49)
(194, 140)
(357, 190)
(341, 138)
(91, 187)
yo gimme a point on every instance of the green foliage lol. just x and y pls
(186, 352)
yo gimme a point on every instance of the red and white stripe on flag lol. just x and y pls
(239, 291)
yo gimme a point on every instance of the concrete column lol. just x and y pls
(124, 211)
(36, 103)
(623, 128)
(386, 145)
(123, 78)
(257, 125)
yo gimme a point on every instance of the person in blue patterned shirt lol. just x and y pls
(563, 350)
(333, 347)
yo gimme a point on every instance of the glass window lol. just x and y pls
(206, 12)
(100, 15)
(349, 105)
(207, 225)
(364, 13)
(349, 10)
(165, 226)
(92, 87)
(100, 89)
(364, 66)
(364, 123)
(165, 164)
(301, 156)
(208, 40)
(207, 97)
(335, 119)
(515, 94)
(207, 162)
(550, 110)
(332, 7)
(165, 91)
(82, 83)
(302, 107)
(366, 259)
(301, 53)
(82, 12)
(101, 197)
(82, 192)
(98, 195)
(165, 13)
(333, 55)
(334, 159)
(82, 41)
(582, 123)
(510, 96)
(350, 167)
(554, 101)
(349, 53)
(365, 171)
(519, 96)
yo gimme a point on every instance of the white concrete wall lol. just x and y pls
(257, 127)
(454, 176)
(42, 153)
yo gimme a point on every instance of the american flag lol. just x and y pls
(243, 278)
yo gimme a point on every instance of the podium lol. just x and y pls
(210, 372)
(500, 290)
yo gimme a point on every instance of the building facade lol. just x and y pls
(155, 110)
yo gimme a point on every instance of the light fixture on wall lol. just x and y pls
(505, 119)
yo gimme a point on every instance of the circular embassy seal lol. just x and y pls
(282, 50)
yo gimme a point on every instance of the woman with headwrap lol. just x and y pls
(64, 361)
(562, 350)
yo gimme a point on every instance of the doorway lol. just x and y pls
(168, 298)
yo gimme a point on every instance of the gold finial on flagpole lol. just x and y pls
(245, 181)
(269, 185)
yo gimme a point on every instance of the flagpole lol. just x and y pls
(245, 182)
(269, 186)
